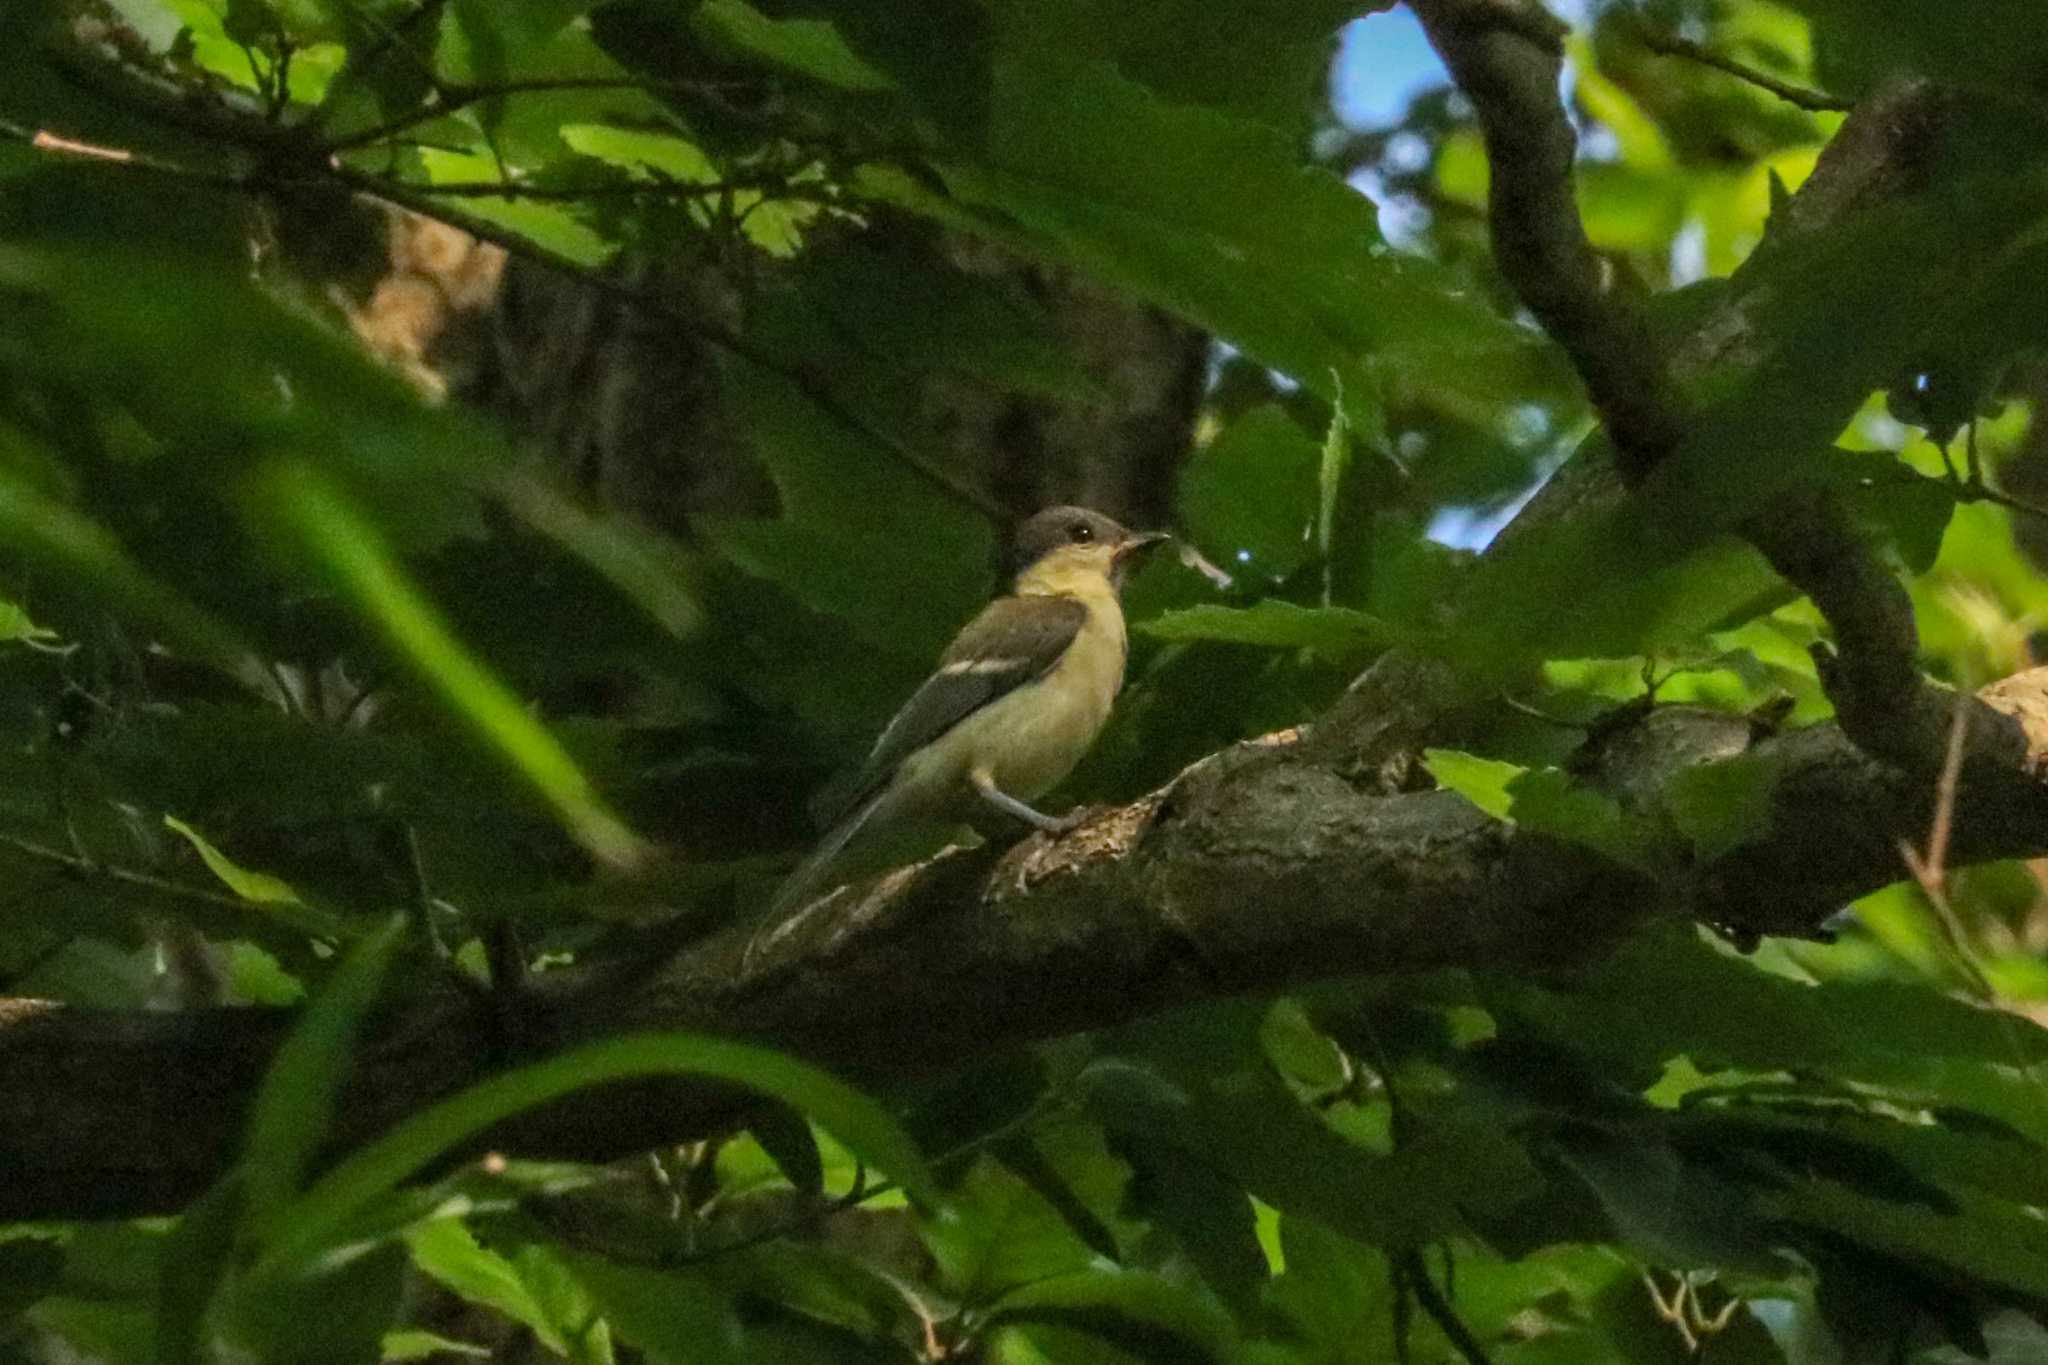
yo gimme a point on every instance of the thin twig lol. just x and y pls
(1945, 792)
(450, 98)
(87, 867)
(771, 187)
(1667, 44)
(1930, 869)
(1439, 1309)
(810, 385)
(302, 161)
(56, 144)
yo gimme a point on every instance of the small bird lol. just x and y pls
(1017, 698)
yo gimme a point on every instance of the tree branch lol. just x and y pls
(1510, 73)
(1256, 870)
(1507, 57)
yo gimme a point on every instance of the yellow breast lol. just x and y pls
(1031, 738)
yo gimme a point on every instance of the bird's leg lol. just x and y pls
(985, 784)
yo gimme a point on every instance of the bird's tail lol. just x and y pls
(813, 873)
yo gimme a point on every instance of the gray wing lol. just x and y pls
(1014, 641)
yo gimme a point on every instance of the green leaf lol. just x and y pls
(1248, 498)
(354, 1303)
(920, 315)
(1671, 1212)
(1210, 1093)
(321, 1214)
(197, 1260)
(669, 157)
(1003, 1231)
(1550, 801)
(1994, 46)
(1721, 806)
(347, 548)
(1216, 218)
(862, 535)
(17, 628)
(1988, 1244)
(447, 1251)
(1021, 1157)
(1274, 624)
(676, 1318)
(272, 894)
(1256, 58)
(1482, 781)
(554, 228)
(292, 1112)
(258, 888)
(804, 46)
(415, 1344)
(821, 1284)
(46, 531)
(30, 1267)
(788, 1140)
(1904, 1040)
(1547, 801)
(1145, 1314)
(1211, 1218)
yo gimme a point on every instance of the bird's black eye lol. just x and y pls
(1081, 533)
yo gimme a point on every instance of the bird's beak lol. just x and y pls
(1137, 544)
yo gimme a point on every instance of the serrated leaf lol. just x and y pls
(669, 156)
(1482, 781)
(448, 1252)
(1217, 218)
(552, 227)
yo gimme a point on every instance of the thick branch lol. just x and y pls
(1257, 870)
(1506, 57)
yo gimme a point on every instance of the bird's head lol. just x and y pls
(1061, 547)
